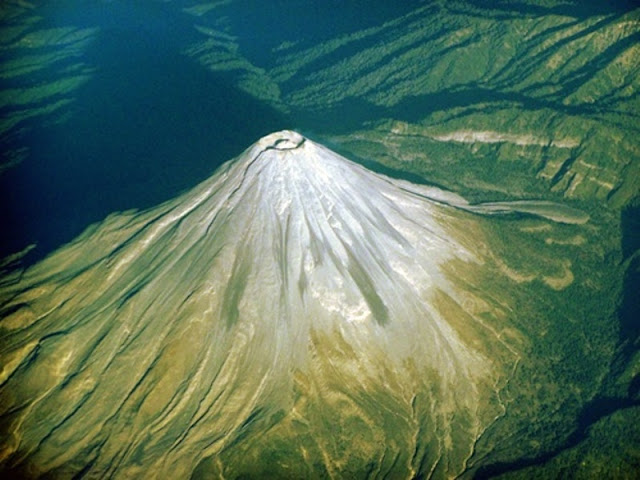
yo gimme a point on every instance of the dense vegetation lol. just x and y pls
(534, 99)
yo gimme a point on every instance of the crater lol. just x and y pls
(283, 140)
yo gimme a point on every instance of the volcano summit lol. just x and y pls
(295, 314)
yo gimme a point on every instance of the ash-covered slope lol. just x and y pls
(292, 315)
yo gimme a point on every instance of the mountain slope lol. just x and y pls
(522, 99)
(532, 101)
(292, 289)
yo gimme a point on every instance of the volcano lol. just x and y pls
(295, 315)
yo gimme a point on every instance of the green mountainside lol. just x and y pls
(495, 101)
(517, 100)
(548, 93)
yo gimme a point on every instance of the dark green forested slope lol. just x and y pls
(493, 100)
